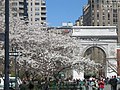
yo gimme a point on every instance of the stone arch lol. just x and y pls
(103, 37)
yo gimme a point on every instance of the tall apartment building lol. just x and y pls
(34, 10)
(102, 13)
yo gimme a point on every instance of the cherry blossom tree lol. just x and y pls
(46, 52)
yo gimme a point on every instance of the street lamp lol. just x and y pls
(6, 67)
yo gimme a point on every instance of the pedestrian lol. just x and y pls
(113, 83)
(110, 82)
(23, 86)
(86, 84)
(101, 84)
(46, 84)
(106, 80)
(31, 85)
(93, 84)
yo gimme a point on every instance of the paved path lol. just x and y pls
(107, 87)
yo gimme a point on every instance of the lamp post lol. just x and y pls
(6, 66)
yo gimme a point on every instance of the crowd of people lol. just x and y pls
(77, 84)
(98, 84)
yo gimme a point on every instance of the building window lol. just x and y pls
(107, 2)
(93, 6)
(114, 20)
(103, 17)
(43, 4)
(37, 19)
(37, 3)
(97, 15)
(97, 23)
(37, 8)
(118, 5)
(97, 6)
(114, 10)
(21, 14)
(21, 8)
(43, 13)
(14, 14)
(97, 1)
(103, 1)
(14, 9)
(21, 3)
(43, 8)
(108, 16)
(103, 13)
(37, 13)
(43, 18)
(114, 15)
(92, 1)
(14, 4)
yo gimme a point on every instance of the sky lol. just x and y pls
(59, 11)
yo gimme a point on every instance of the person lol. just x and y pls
(93, 84)
(86, 84)
(113, 83)
(23, 86)
(31, 85)
(101, 84)
(46, 84)
(106, 80)
(110, 82)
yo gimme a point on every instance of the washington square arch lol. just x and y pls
(98, 43)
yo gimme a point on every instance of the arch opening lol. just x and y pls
(99, 56)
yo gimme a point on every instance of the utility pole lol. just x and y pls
(6, 68)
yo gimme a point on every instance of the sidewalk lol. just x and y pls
(107, 87)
